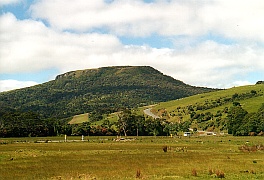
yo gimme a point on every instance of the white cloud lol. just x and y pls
(7, 2)
(122, 17)
(6, 85)
(29, 46)
(243, 20)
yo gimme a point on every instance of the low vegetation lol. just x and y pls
(139, 158)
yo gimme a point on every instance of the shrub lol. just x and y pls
(220, 174)
(253, 171)
(138, 174)
(210, 172)
(194, 172)
(165, 148)
(252, 134)
(261, 133)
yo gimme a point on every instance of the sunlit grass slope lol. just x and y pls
(250, 97)
(80, 118)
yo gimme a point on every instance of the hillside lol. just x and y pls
(98, 91)
(209, 111)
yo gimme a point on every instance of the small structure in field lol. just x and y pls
(186, 134)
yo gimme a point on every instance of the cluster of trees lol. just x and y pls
(236, 120)
(23, 124)
(131, 124)
(242, 123)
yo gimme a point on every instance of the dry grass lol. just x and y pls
(129, 160)
(253, 148)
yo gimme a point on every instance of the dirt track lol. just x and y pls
(149, 113)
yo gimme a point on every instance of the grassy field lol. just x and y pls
(136, 158)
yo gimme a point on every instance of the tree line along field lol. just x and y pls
(145, 157)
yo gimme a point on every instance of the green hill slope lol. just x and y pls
(100, 91)
(208, 111)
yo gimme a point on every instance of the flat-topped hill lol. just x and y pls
(103, 90)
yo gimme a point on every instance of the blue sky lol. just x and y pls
(203, 43)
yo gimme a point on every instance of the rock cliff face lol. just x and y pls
(75, 74)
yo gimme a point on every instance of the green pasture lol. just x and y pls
(78, 119)
(131, 158)
(250, 105)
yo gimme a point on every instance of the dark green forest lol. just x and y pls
(100, 91)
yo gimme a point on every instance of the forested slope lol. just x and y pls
(101, 90)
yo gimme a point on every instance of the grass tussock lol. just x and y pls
(219, 174)
(138, 174)
(210, 171)
(254, 148)
(194, 172)
(165, 148)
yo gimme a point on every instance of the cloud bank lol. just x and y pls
(136, 18)
(8, 2)
(215, 43)
(6, 85)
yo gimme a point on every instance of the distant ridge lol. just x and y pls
(103, 90)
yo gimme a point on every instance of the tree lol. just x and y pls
(171, 128)
(154, 127)
(140, 119)
(235, 117)
(127, 122)
(254, 122)
(84, 129)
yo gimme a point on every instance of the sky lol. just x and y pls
(209, 43)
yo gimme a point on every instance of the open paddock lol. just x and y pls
(138, 158)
